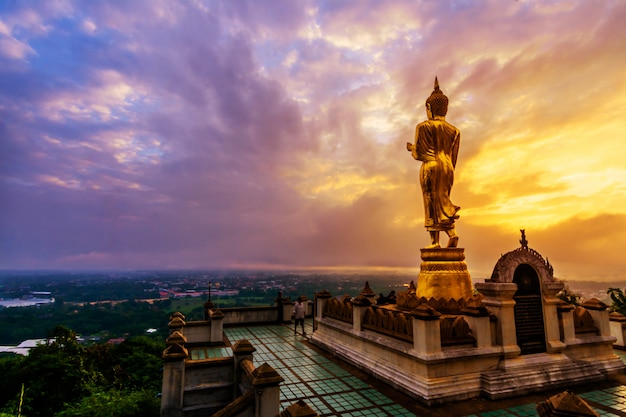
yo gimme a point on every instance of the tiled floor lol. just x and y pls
(520, 410)
(608, 402)
(210, 353)
(324, 385)
(333, 391)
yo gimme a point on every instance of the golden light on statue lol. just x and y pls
(443, 272)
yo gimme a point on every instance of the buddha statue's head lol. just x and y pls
(437, 103)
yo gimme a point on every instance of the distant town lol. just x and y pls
(30, 288)
(109, 306)
(27, 288)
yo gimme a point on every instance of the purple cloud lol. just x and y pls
(160, 134)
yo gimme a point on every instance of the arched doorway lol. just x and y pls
(529, 327)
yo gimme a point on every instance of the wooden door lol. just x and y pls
(529, 325)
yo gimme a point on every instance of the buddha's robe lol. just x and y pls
(437, 146)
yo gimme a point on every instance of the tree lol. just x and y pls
(63, 378)
(10, 367)
(139, 359)
(115, 404)
(135, 364)
(55, 374)
(619, 300)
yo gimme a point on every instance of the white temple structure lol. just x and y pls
(511, 337)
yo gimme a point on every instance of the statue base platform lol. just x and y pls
(440, 343)
(444, 275)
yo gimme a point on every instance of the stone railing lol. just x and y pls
(392, 323)
(583, 323)
(455, 331)
(339, 309)
(617, 323)
(457, 328)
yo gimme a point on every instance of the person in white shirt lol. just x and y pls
(299, 310)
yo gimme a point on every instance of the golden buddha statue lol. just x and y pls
(443, 271)
(437, 146)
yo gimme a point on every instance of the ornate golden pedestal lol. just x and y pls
(443, 274)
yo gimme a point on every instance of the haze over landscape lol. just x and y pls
(271, 134)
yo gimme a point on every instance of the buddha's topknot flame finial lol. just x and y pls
(438, 101)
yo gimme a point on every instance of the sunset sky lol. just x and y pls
(271, 134)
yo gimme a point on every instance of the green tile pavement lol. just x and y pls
(325, 386)
(333, 391)
(613, 398)
(210, 353)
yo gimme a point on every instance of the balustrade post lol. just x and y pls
(321, 298)
(243, 349)
(566, 319)
(266, 382)
(217, 327)
(551, 303)
(617, 325)
(498, 297)
(173, 384)
(426, 330)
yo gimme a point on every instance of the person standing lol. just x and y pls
(299, 311)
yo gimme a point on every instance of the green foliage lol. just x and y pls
(115, 404)
(10, 367)
(139, 362)
(569, 296)
(619, 300)
(55, 374)
(128, 318)
(98, 380)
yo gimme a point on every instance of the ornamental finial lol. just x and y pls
(523, 240)
(437, 100)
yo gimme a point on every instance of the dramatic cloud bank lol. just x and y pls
(271, 134)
